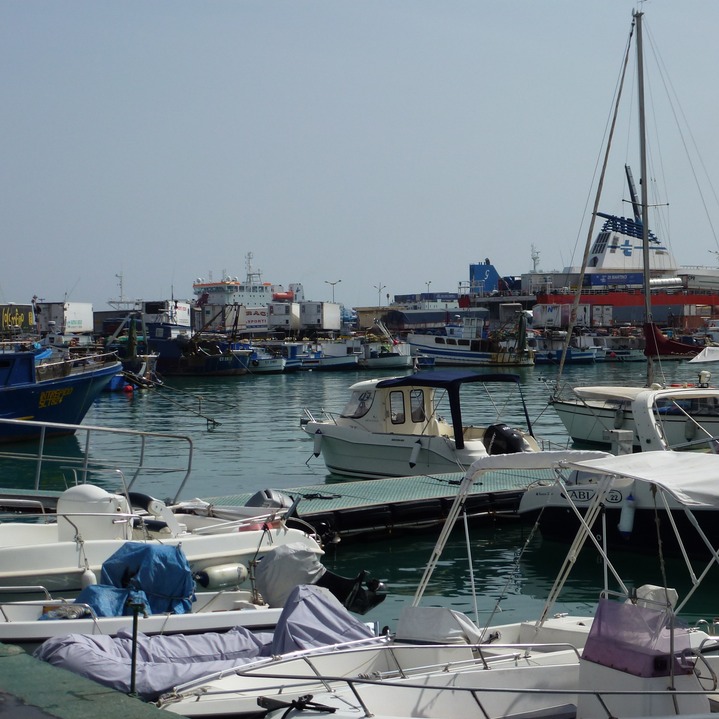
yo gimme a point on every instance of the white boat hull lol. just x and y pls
(211, 611)
(32, 554)
(588, 420)
(368, 456)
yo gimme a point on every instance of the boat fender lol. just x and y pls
(255, 363)
(619, 418)
(88, 578)
(221, 576)
(626, 517)
(690, 429)
(317, 443)
(415, 453)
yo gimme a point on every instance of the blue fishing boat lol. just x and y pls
(49, 389)
(198, 355)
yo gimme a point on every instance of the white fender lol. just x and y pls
(88, 578)
(415, 453)
(221, 576)
(317, 443)
(626, 517)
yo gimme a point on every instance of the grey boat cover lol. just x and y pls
(311, 618)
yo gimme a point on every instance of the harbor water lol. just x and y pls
(246, 436)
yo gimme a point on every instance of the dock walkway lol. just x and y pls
(378, 507)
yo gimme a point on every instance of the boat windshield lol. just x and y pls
(358, 405)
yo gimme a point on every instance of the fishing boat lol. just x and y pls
(466, 344)
(261, 359)
(375, 349)
(49, 387)
(392, 427)
(590, 410)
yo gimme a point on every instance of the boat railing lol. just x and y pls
(73, 364)
(484, 698)
(161, 460)
(77, 609)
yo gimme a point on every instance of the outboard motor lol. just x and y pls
(359, 595)
(270, 498)
(502, 439)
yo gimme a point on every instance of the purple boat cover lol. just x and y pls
(311, 618)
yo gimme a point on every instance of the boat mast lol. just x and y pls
(645, 191)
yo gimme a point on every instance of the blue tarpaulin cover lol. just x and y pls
(155, 575)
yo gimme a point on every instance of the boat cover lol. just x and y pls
(153, 575)
(282, 569)
(689, 477)
(311, 618)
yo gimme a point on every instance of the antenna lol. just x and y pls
(535, 259)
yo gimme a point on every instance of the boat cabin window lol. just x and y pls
(359, 404)
(396, 407)
(416, 405)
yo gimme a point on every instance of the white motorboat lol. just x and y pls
(64, 537)
(438, 658)
(148, 665)
(153, 586)
(392, 427)
(633, 658)
(679, 418)
(632, 517)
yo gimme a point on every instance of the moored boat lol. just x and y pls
(466, 345)
(392, 427)
(56, 388)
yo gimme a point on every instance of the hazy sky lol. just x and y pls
(386, 144)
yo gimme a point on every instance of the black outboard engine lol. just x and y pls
(359, 595)
(502, 439)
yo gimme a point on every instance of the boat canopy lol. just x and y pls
(451, 381)
(689, 477)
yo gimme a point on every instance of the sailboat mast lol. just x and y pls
(644, 187)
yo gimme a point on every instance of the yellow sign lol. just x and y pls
(52, 397)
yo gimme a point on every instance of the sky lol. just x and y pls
(383, 145)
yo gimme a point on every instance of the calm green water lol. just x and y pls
(258, 444)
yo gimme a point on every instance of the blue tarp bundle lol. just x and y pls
(155, 575)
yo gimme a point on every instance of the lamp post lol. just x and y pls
(379, 289)
(336, 282)
(428, 284)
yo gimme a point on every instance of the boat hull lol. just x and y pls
(65, 399)
(370, 456)
(32, 555)
(587, 422)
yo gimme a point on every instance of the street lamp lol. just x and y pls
(428, 284)
(327, 282)
(379, 289)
